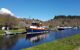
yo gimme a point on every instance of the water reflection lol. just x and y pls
(36, 37)
(7, 41)
(19, 41)
(11, 42)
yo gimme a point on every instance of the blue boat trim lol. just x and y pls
(35, 31)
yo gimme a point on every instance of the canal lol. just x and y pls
(20, 41)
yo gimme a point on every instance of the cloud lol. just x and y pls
(5, 11)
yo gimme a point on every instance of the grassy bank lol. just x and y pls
(19, 30)
(13, 31)
(69, 43)
(1, 32)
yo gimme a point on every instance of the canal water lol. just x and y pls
(20, 41)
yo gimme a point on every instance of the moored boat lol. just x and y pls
(36, 28)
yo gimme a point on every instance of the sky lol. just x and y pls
(41, 9)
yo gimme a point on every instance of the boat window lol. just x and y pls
(35, 24)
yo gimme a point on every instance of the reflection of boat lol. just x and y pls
(36, 37)
(36, 28)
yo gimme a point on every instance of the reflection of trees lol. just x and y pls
(21, 36)
(8, 42)
(1, 41)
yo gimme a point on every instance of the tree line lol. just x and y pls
(67, 17)
(7, 20)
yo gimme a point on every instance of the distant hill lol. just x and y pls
(7, 20)
(62, 20)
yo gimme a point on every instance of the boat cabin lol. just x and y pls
(36, 24)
